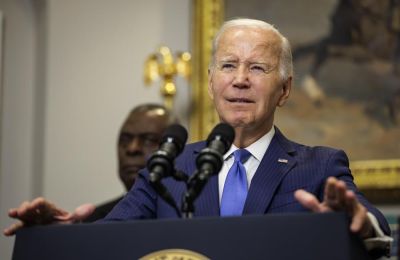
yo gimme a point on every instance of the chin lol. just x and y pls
(238, 121)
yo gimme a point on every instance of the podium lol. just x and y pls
(281, 236)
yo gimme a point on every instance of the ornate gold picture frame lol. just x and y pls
(333, 115)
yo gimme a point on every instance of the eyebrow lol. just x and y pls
(248, 62)
(229, 59)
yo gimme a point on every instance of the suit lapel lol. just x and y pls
(274, 166)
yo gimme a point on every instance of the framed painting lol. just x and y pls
(346, 93)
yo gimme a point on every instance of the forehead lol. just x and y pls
(153, 121)
(249, 42)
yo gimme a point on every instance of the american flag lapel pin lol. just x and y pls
(282, 160)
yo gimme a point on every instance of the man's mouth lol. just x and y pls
(132, 168)
(240, 100)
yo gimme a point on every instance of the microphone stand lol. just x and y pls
(189, 197)
(195, 185)
(164, 193)
(211, 161)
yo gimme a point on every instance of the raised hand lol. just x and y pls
(338, 198)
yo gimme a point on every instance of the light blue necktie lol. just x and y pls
(235, 188)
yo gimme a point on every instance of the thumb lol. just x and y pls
(308, 200)
(79, 214)
(82, 212)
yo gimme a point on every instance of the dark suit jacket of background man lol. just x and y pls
(271, 190)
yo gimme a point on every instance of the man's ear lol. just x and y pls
(210, 90)
(286, 88)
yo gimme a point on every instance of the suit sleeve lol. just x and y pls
(338, 166)
(139, 203)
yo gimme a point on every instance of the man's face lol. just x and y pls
(139, 138)
(244, 82)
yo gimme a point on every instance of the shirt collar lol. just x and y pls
(258, 148)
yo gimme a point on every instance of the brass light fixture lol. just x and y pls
(163, 65)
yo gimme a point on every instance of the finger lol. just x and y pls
(360, 223)
(308, 201)
(335, 194)
(64, 219)
(80, 213)
(35, 212)
(33, 206)
(340, 201)
(29, 214)
(13, 213)
(13, 228)
(21, 210)
(83, 211)
(357, 211)
(38, 201)
(23, 213)
(330, 192)
(46, 211)
(341, 192)
(40, 205)
(351, 203)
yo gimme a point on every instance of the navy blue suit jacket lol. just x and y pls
(271, 190)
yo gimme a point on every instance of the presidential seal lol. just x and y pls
(173, 254)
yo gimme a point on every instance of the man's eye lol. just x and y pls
(228, 66)
(125, 138)
(150, 139)
(258, 68)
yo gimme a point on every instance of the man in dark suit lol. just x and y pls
(250, 76)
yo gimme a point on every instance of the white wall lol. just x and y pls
(72, 71)
(96, 51)
(17, 110)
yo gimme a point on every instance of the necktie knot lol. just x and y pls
(241, 155)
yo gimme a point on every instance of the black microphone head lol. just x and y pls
(179, 135)
(223, 132)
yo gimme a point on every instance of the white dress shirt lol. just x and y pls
(257, 150)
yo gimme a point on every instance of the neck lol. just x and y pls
(244, 137)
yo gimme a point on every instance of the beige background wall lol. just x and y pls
(72, 70)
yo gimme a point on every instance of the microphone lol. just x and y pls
(161, 163)
(219, 141)
(208, 162)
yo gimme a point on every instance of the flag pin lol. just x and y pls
(282, 160)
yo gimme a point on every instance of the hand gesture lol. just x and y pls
(42, 212)
(338, 198)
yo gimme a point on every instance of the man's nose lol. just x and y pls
(134, 146)
(241, 76)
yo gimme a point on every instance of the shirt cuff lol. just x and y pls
(380, 240)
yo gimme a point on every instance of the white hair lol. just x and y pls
(285, 59)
